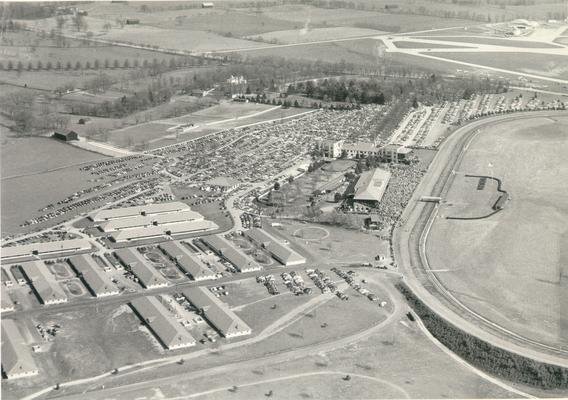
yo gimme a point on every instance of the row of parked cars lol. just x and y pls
(349, 278)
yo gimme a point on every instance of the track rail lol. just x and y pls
(423, 272)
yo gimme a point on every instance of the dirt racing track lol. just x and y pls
(410, 251)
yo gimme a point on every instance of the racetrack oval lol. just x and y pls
(511, 268)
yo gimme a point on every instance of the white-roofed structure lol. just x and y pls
(223, 248)
(163, 231)
(281, 253)
(7, 303)
(150, 220)
(97, 280)
(146, 274)
(217, 313)
(223, 183)
(46, 287)
(369, 189)
(147, 209)
(171, 334)
(17, 361)
(45, 249)
(186, 261)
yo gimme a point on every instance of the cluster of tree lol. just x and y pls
(485, 356)
(155, 66)
(28, 116)
(432, 89)
(28, 10)
(352, 91)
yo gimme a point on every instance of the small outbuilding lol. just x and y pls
(65, 135)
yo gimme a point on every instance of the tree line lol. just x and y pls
(494, 360)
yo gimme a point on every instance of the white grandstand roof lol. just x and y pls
(371, 185)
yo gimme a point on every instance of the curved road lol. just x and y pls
(408, 237)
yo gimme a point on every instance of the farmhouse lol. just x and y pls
(45, 249)
(226, 250)
(94, 277)
(162, 323)
(369, 189)
(7, 303)
(283, 254)
(17, 361)
(148, 276)
(65, 135)
(45, 286)
(187, 262)
(217, 313)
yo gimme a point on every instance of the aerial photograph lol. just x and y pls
(284, 199)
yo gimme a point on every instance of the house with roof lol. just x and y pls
(162, 323)
(44, 283)
(227, 251)
(17, 361)
(187, 262)
(97, 280)
(217, 313)
(137, 264)
(278, 250)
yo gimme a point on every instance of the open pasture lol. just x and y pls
(356, 51)
(34, 155)
(313, 35)
(511, 267)
(361, 19)
(239, 24)
(546, 65)
(189, 40)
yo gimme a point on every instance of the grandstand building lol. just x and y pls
(369, 189)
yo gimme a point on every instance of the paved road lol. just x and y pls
(410, 257)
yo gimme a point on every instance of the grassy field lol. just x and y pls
(156, 132)
(361, 19)
(311, 35)
(191, 40)
(76, 51)
(236, 24)
(493, 41)
(27, 155)
(361, 52)
(538, 64)
(522, 244)
(407, 44)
